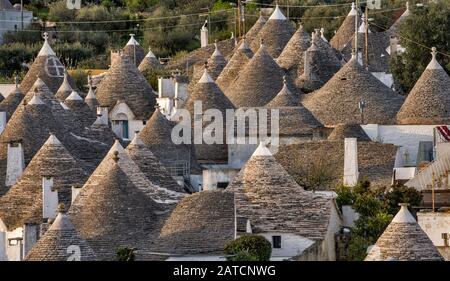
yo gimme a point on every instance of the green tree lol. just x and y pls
(401, 194)
(125, 254)
(249, 248)
(426, 26)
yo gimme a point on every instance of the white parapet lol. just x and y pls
(15, 163)
(351, 173)
(49, 199)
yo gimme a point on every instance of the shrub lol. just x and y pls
(125, 254)
(80, 78)
(249, 248)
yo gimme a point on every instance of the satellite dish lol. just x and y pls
(73, 4)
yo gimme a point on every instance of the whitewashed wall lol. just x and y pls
(291, 245)
(405, 136)
(220, 174)
(10, 19)
(434, 224)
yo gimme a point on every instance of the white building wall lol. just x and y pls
(14, 253)
(434, 225)
(212, 177)
(405, 136)
(12, 20)
(384, 77)
(291, 245)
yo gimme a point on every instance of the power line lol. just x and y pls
(133, 20)
(407, 39)
(124, 30)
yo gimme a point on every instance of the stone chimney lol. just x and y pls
(393, 43)
(49, 199)
(351, 173)
(2, 121)
(204, 35)
(75, 191)
(15, 163)
(102, 112)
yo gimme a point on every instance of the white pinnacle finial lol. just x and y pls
(217, 52)
(35, 100)
(150, 54)
(91, 94)
(132, 41)
(46, 50)
(74, 96)
(353, 11)
(137, 140)
(16, 80)
(53, 140)
(262, 150)
(407, 5)
(434, 64)
(206, 78)
(277, 14)
(404, 216)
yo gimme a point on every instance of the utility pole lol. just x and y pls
(287, 8)
(239, 18)
(366, 19)
(21, 12)
(356, 28)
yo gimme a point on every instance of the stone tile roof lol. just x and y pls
(91, 99)
(149, 62)
(150, 165)
(65, 89)
(12, 101)
(348, 130)
(292, 57)
(345, 32)
(254, 30)
(56, 242)
(6, 5)
(338, 100)
(394, 27)
(116, 213)
(375, 161)
(285, 97)
(276, 33)
(404, 240)
(267, 195)
(323, 64)
(210, 96)
(240, 57)
(81, 109)
(258, 82)
(156, 134)
(211, 225)
(429, 100)
(378, 56)
(23, 202)
(123, 81)
(133, 48)
(202, 54)
(45, 67)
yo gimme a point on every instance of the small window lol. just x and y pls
(276, 242)
(222, 185)
(13, 242)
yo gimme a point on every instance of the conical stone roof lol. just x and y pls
(81, 110)
(208, 94)
(292, 57)
(91, 99)
(258, 82)
(123, 81)
(404, 240)
(116, 214)
(338, 100)
(47, 67)
(285, 98)
(229, 74)
(270, 198)
(65, 89)
(12, 101)
(56, 243)
(321, 63)
(149, 62)
(6, 5)
(429, 100)
(23, 202)
(150, 165)
(349, 130)
(254, 30)
(276, 33)
(209, 213)
(345, 32)
(134, 50)
(157, 135)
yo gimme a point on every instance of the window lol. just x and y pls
(14, 242)
(276, 241)
(222, 185)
